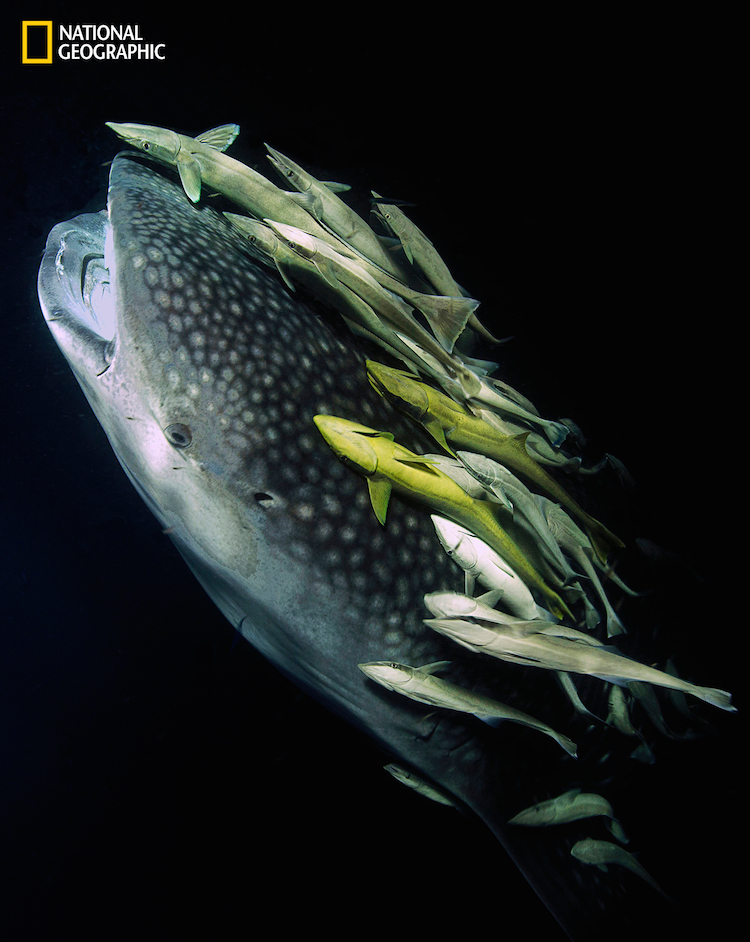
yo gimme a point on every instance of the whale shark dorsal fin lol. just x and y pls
(219, 138)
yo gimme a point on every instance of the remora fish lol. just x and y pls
(452, 426)
(603, 853)
(480, 561)
(201, 159)
(446, 316)
(340, 270)
(418, 248)
(328, 208)
(572, 805)
(205, 376)
(556, 647)
(421, 788)
(419, 684)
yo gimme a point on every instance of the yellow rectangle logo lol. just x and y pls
(36, 59)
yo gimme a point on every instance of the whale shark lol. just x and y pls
(205, 373)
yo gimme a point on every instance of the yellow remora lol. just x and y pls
(454, 427)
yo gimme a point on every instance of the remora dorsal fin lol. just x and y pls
(434, 667)
(219, 138)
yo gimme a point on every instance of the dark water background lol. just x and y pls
(156, 775)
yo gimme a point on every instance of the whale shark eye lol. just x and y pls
(178, 435)
(263, 499)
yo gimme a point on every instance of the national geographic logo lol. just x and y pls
(84, 42)
(36, 42)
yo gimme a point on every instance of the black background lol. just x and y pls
(581, 180)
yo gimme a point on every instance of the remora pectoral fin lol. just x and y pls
(308, 201)
(422, 461)
(285, 278)
(380, 494)
(327, 271)
(407, 250)
(190, 176)
(433, 426)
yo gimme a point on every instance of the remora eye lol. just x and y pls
(178, 435)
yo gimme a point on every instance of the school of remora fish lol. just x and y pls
(491, 491)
